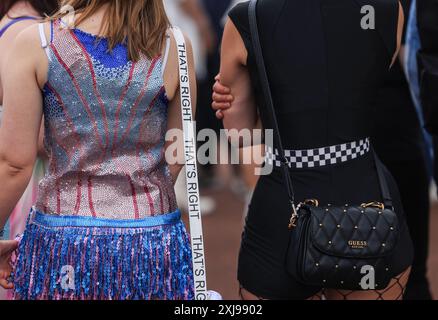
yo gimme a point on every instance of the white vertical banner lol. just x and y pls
(192, 181)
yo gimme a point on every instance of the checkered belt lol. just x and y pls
(320, 157)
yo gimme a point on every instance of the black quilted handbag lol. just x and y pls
(334, 246)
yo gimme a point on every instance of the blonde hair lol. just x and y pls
(140, 24)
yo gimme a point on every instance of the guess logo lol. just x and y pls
(357, 244)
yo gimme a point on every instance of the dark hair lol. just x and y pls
(43, 7)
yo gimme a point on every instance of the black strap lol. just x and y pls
(386, 195)
(268, 96)
(258, 54)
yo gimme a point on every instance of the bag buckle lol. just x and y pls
(311, 202)
(294, 218)
(295, 209)
(373, 204)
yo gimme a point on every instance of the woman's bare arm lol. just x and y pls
(5, 48)
(21, 120)
(6, 44)
(399, 53)
(235, 75)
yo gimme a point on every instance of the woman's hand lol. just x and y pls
(222, 98)
(6, 250)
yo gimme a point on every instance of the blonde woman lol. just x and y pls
(105, 224)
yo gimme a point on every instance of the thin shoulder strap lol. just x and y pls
(261, 68)
(14, 21)
(6, 27)
(195, 216)
(384, 188)
(43, 38)
(166, 53)
(44, 42)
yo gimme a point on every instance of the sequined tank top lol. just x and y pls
(105, 121)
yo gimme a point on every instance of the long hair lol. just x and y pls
(43, 7)
(140, 24)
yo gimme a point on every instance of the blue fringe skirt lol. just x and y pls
(81, 258)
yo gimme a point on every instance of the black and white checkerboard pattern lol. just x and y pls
(301, 159)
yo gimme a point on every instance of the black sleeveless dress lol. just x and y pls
(324, 71)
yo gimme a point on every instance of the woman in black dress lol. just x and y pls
(325, 71)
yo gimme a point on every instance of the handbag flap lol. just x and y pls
(353, 232)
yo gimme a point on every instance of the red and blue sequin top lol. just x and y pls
(105, 121)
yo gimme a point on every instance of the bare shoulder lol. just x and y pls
(171, 79)
(27, 43)
(28, 52)
(187, 41)
(28, 37)
(172, 57)
(16, 29)
(233, 45)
